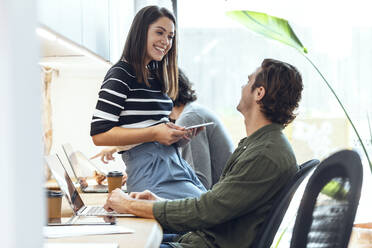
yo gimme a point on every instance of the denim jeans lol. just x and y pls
(168, 237)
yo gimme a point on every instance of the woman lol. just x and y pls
(208, 152)
(134, 104)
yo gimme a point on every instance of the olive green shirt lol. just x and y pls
(229, 214)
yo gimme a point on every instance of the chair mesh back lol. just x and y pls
(328, 206)
(267, 230)
(330, 210)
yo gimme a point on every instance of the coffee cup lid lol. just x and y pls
(115, 174)
(54, 193)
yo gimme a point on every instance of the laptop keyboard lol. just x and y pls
(100, 211)
(94, 211)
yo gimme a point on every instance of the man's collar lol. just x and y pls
(261, 131)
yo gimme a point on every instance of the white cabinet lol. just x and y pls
(85, 22)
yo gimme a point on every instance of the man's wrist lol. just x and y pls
(131, 206)
(142, 208)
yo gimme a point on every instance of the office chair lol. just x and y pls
(328, 206)
(269, 227)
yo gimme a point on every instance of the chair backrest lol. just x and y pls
(269, 227)
(328, 206)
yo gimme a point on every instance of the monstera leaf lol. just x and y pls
(279, 29)
(269, 26)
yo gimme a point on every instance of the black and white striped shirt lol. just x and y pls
(123, 102)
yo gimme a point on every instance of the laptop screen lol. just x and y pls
(80, 165)
(64, 182)
(67, 149)
(84, 162)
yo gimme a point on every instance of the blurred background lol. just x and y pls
(63, 49)
(80, 39)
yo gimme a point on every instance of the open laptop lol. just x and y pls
(71, 193)
(81, 166)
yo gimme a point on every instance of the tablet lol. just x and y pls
(199, 125)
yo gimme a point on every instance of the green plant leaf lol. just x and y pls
(335, 189)
(269, 26)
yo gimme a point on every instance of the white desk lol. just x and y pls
(147, 232)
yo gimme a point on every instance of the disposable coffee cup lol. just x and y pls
(114, 179)
(54, 203)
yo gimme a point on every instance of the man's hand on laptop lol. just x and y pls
(122, 203)
(146, 195)
(118, 201)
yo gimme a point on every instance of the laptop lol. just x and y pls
(81, 166)
(71, 193)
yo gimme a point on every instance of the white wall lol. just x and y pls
(100, 26)
(121, 14)
(22, 198)
(74, 95)
(85, 22)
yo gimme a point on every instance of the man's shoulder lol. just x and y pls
(274, 143)
(272, 148)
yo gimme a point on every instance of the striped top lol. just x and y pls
(123, 102)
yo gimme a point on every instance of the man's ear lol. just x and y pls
(260, 93)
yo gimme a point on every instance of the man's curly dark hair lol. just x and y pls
(185, 92)
(283, 87)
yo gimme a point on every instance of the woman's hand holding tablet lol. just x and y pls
(199, 125)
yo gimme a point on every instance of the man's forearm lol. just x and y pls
(141, 208)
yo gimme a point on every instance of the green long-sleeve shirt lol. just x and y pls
(228, 215)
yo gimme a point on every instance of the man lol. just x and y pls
(207, 152)
(229, 214)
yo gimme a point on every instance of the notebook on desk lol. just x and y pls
(68, 188)
(79, 165)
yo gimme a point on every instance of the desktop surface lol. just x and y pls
(147, 232)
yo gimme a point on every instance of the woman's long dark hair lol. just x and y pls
(185, 92)
(136, 47)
